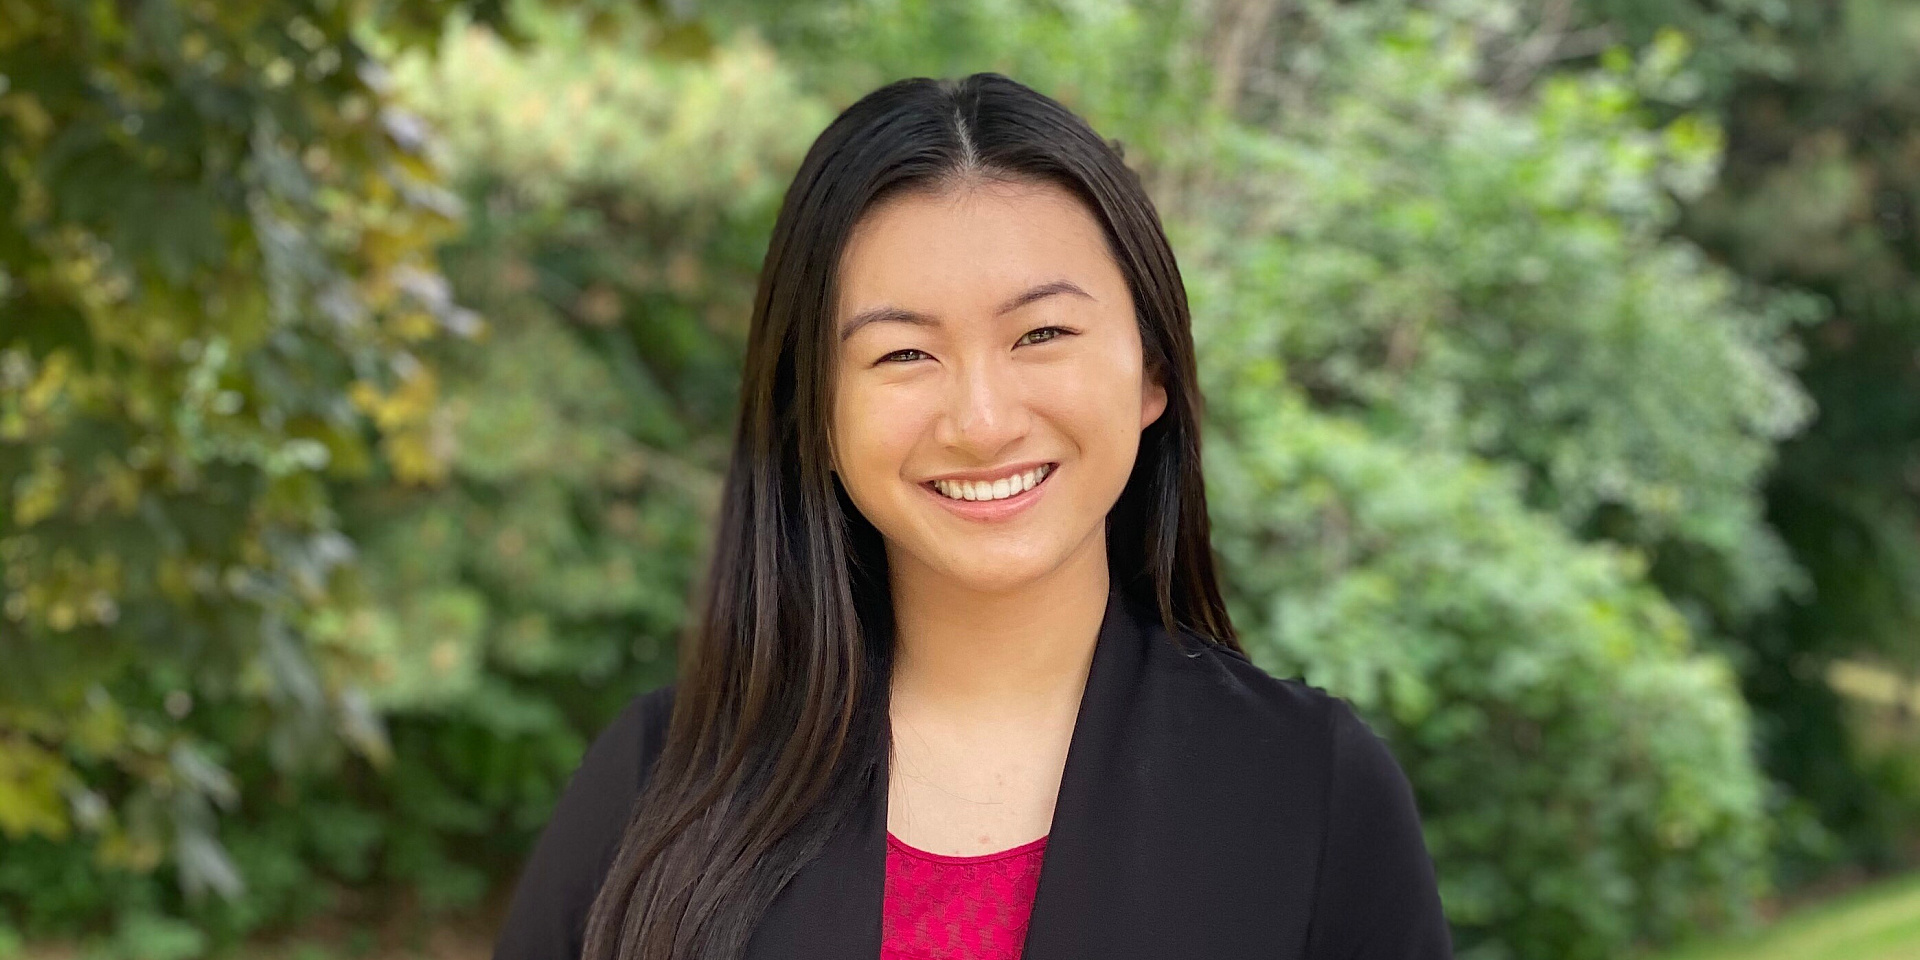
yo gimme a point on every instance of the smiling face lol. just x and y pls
(986, 335)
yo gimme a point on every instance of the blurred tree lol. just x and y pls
(221, 327)
(1504, 283)
(216, 273)
(1821, 193)
(1818, 195)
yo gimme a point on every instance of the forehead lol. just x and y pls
(952, 251)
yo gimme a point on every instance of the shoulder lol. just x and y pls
(613, 771)
(563, 871)
(640, 730)
(1255, 697)
(1354, 760)
(644, 712)
(1347, 733)
(1376, 889)
(617, 761)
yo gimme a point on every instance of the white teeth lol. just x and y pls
(997, 490)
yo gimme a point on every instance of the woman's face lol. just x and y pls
(986, 336)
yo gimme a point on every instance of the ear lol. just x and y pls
(1153, 397)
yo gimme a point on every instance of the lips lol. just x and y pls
(995, 510)
(998, 488)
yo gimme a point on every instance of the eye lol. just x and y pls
(1057, 332)
(889, 357)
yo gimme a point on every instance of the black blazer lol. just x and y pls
(1207, 810)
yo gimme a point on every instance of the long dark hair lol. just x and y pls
(779, 710)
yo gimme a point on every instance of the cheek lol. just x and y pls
(1099, 395)
(871, 437)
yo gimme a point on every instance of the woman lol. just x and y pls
(962, 684)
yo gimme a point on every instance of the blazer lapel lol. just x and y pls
(1163, 842)
(1168, 839)
(1086, 864)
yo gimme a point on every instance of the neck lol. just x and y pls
(961, 648)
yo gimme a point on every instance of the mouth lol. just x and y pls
(987, 506)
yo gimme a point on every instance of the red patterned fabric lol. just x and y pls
(941, 907)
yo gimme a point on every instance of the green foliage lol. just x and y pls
(216, 274)
(613, 245)
(1818, 197)
(1129, 67)
(478, 626)
(1503, 284)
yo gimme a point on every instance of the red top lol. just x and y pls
(942, 907)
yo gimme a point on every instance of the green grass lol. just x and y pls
(1880, 921)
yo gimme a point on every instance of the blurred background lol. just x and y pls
(366, 368)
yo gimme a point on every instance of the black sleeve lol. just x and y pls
(547, 917)
(1377, 897)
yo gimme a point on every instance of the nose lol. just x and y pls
(986, 410)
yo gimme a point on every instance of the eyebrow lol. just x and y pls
(887, 313)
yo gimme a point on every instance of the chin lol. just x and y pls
(997, 575)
